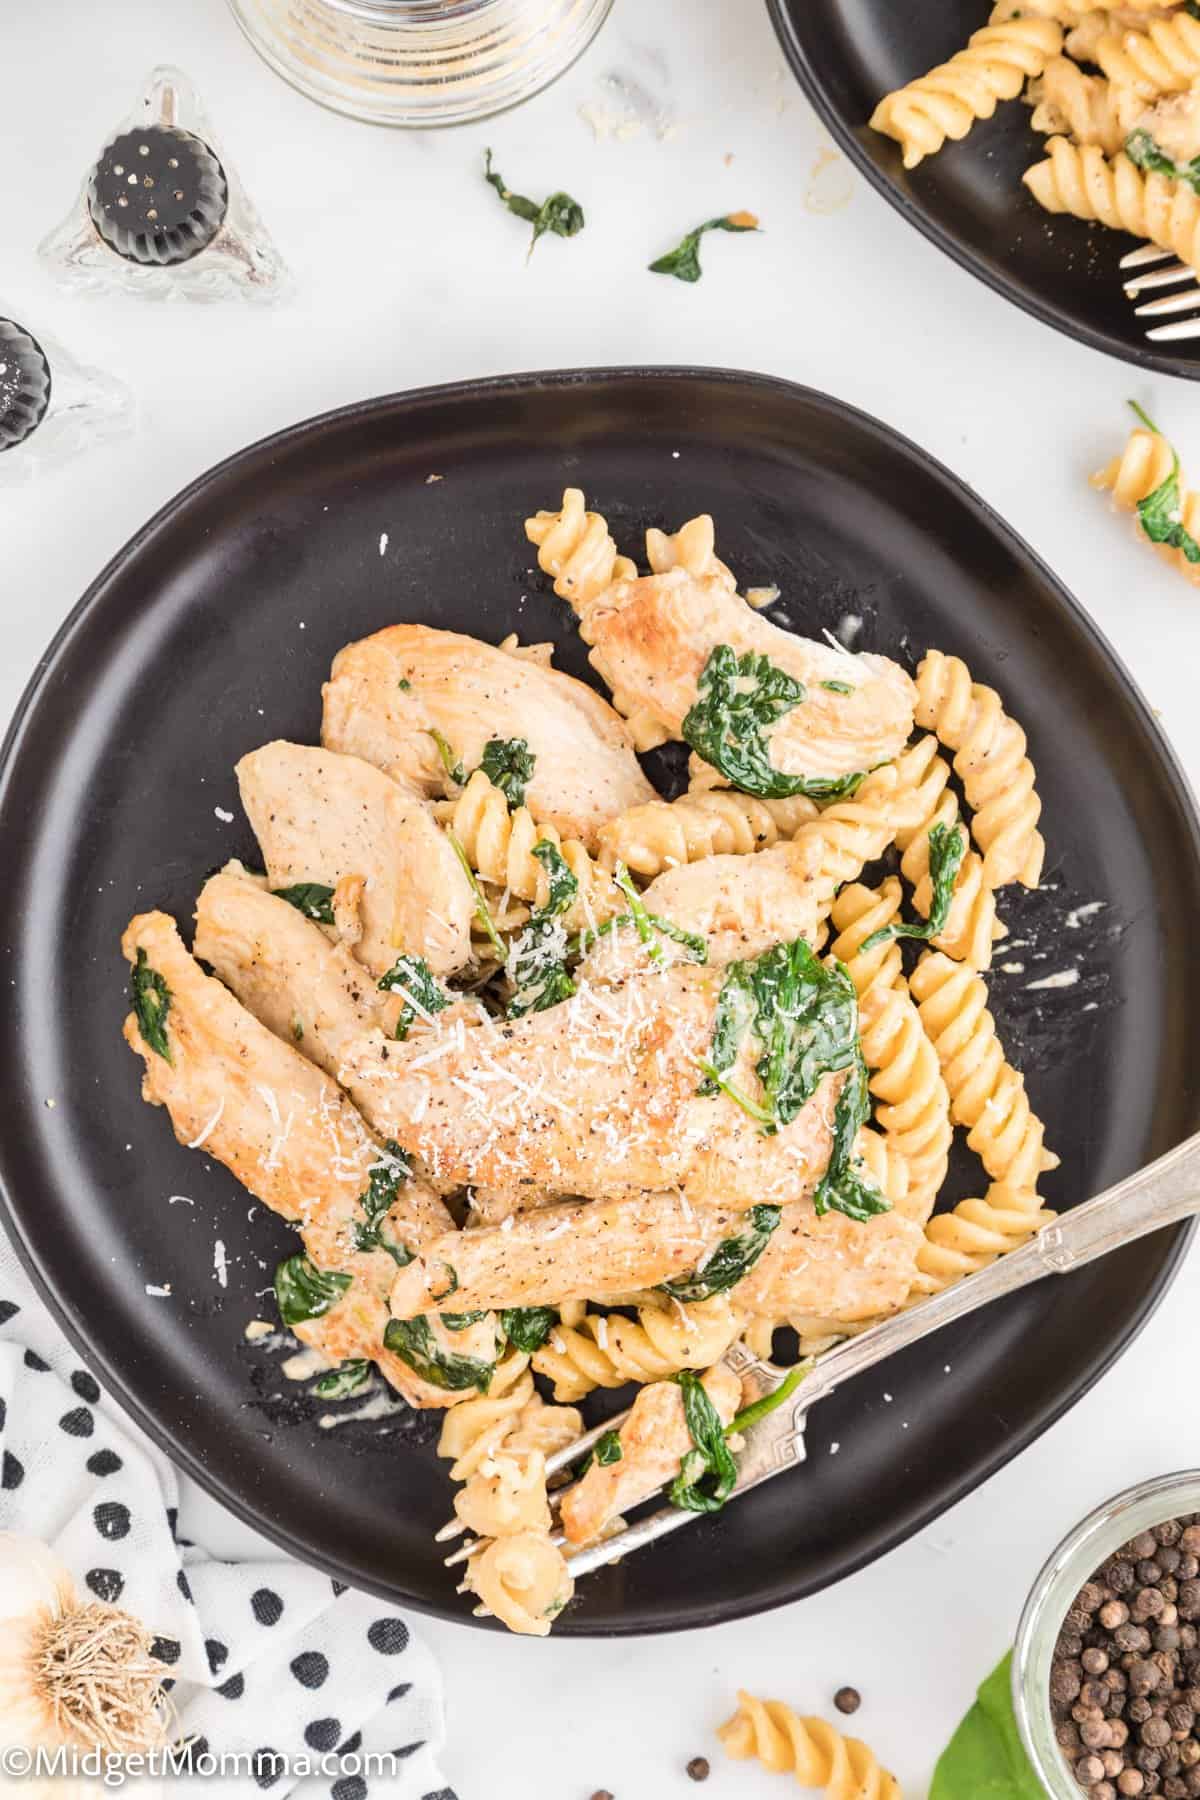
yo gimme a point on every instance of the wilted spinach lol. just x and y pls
(305, 1292)
(1160, 513)
(707, 1474)
(730, 1262)
(536, 963)
(150, 998)
(347, 1379)
(1141, 149)
(947, 847)
(414, 1343)
(684, 261)
(528, 1327)
(558, 214)
(423, 992)
(312, 898)
(738, 700)
(508, 764)
(377, 1201)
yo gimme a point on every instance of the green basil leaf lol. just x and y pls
(347, 1379)
(947, 847)
(311, 898)
(730, 1262)
(413, 977)
(150, 998)
(707, 1474)
(738, 700)
(559, 214)
(985, 1759)
(305, 1292)
(528, 1327)
(414, 1343)
(684, 261)
(508, 764)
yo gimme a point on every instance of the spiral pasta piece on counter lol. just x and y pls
(1163, 57)
(609, 1351)
(914, 1109)
(975, 1233)
(1145, 463)
(575, 548)
(987, 1095)
(691, 548)
(812, 1750)
(991, 762)
(499, 846)
(1081, 180)
(947, 101)
(663, 834)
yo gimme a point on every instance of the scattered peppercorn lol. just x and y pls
(698, 1768)
(848, 1699)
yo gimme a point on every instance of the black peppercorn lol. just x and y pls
(1155, 1733)
(1144, 1544)
(1121, 1577)
(698, 1768)
(848, 1699)
(1089, 1770)
(1095, 1662)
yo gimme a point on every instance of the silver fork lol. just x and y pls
(1161, 1194)
(1186, 302)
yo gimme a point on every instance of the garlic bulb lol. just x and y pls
(74, 1674)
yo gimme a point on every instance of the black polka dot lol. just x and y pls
(165, 1650)
(167, 1683)
(106, 1584)
(86, 1386)
(268, 1767)
(398, 1692)
(218, 1654)
(112, 1520)
(183, 1584)
(234, 1688)
(350, 1787)
(266, 1606)
(388, 1636)
(78, 1423)
(339, 1588)
(323, 1734)
(310, 1668)
(189, 1754)
(8, 1310)
(12, 1473)
(36, 1363)
(104, 1462)
(442, 1794)
(352, 1745)
(3, 1412)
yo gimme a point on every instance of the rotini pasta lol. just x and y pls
(690, 548)
(986, 1093)
(1082, 181)
(914, 1110)
(717, 821)
(947, 101)
(971, 927)
(1145, 463)
(499, 846)
(1072, 12)
(576, 549)
(1162, 58)
(523, 1580)
(511, 1414)
(812, 1750)
(505, 1495)
(1089, 108)
(609, 1351)
(974, 1234)
(990, 760)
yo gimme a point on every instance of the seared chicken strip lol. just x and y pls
(654, 1440)
(595, 1096)
(743, 904)
(860, 1269)
(337, 821)
(651, 638)
(292, 1139)
(388, 692)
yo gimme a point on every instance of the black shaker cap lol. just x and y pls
(24, 384)
(157, 195)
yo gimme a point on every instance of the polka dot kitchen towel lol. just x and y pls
(268, 1660)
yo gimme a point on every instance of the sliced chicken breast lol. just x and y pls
(595, 1096)
(654, 1440)
(338, 821)
(743, 904)
(860, 1270)
(290, 1137)
(651, 638)
(388, 692)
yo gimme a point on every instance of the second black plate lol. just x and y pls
(969, 198)
(212, 632)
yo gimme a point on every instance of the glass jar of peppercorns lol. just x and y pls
(1106, 1669)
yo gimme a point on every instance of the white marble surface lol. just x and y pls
(408, 272)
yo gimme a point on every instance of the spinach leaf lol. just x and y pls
(985, 1759)
(461, 1321)
(638, 914)
(563, 883)
(837, 687)
(306, 1292)
(422, 990)
(150, 998)
(758, 1409)
(707, 1474)
(312, 898)
(414, 1343)
(558, 214)
(738, 699)
(528, 1327)
(536, 963)
(1160, 512)
(347, 1379)
(508, 764)
(645, 920)
(404, 684)
(451, 763)
(383, 1181)
(607, 1449)
(947, 847)
(730, 1262)
(684, 261)
(804, 1018)
(1141, 149)
(481, 906)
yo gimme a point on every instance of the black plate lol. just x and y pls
(969, 198)
(212, 631)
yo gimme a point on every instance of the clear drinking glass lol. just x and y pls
(420, 62)
(1074, 1562)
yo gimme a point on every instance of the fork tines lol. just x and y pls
(1186, 302)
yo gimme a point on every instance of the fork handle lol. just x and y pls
(1161, 1194)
